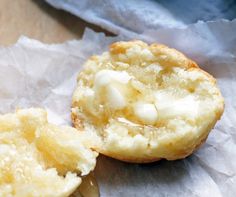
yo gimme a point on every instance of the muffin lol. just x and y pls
(41, 159)
(145, 102)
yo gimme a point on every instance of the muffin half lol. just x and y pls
(41, 159)
(145, 102)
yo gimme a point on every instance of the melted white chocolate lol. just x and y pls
(115, 98)
(169, 107)
(105, 77)
(146, 112)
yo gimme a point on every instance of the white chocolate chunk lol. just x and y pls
(115, 98)
(146, 112)
(104, 77)
(168, 107)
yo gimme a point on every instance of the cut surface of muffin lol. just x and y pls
(41, 159)
(145, 102)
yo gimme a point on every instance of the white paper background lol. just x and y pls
(40, 75)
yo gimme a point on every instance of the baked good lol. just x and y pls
(145, 102)
(41, 159)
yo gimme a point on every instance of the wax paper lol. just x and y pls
(33, 74)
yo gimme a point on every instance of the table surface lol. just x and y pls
(36, 19)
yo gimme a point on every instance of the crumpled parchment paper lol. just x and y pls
(136, 16)
(33, 74)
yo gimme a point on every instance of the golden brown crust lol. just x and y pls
(121, 47)
(174, 57)
(166, 55)
(77, 123)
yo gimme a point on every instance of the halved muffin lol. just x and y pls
(145, 102)
(41, 159)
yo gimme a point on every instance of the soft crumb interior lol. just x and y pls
(141, 102)
(41, 159)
